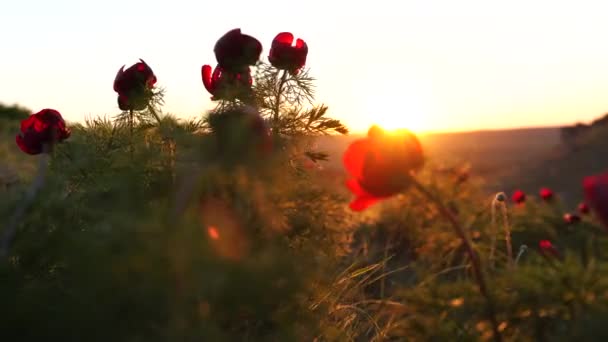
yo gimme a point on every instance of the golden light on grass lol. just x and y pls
(224, 229)
(456, 302)
(213, 233)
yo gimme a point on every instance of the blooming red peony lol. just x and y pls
(134, 86)
(596, 195)
(235, 51)
(286, 55)
(43, 128)
(226, 85)
(381, 165)
(546, 194)
(518, 197)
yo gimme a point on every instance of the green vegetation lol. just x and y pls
(158, 232)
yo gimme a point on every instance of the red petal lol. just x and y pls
(355, 188)
(518, 197)
(362, 203)
(28, 123)
(118, 77)
(27, 147)
(300, 44)
(284, 38)
(206, 75)
(545, 244)
(217, 75)
(354, 157)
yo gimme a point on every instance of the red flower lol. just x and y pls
(225, 85)
(546, 194)
(571, 218)
(134, 86)
(519, 197)
(545, 244)
(235, 51)
(381, 165)
(583, 208)
(596, 195)
(43, 128)
(286, 56)
(546, 247)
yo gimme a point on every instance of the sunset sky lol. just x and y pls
(426, 65)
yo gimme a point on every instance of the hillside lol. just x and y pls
(505, 159)
(567, 166)
(493, 155)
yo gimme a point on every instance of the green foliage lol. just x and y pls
(13, 168)
(150, 228)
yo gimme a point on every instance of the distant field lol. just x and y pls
(493, 155)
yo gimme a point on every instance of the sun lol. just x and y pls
(411, 116)
(399, 106)
(414, 123)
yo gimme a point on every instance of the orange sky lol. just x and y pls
(427, 65)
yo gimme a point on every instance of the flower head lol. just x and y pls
(545, 244)
(286, 55)
(596, 195)
(381, 165)
(546, 247)
(224, 85)
(518, 197)
(43, 128)
(235, 51)
(546, 194)
(134, 86)
(571, 218)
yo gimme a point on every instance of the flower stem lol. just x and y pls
(277, 103)
(11, 227)
(475, 261)
(131, 130)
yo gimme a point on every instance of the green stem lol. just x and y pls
(277, 103)
(131, 130)
(475, 262)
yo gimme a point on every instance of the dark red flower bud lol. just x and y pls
(571, 218)
(287, 56)
(546, 194)
(583, 208)
(518, 197)
(42, 129)
(596, 195)
(381, 165)
(235, 51)
(134, 86)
